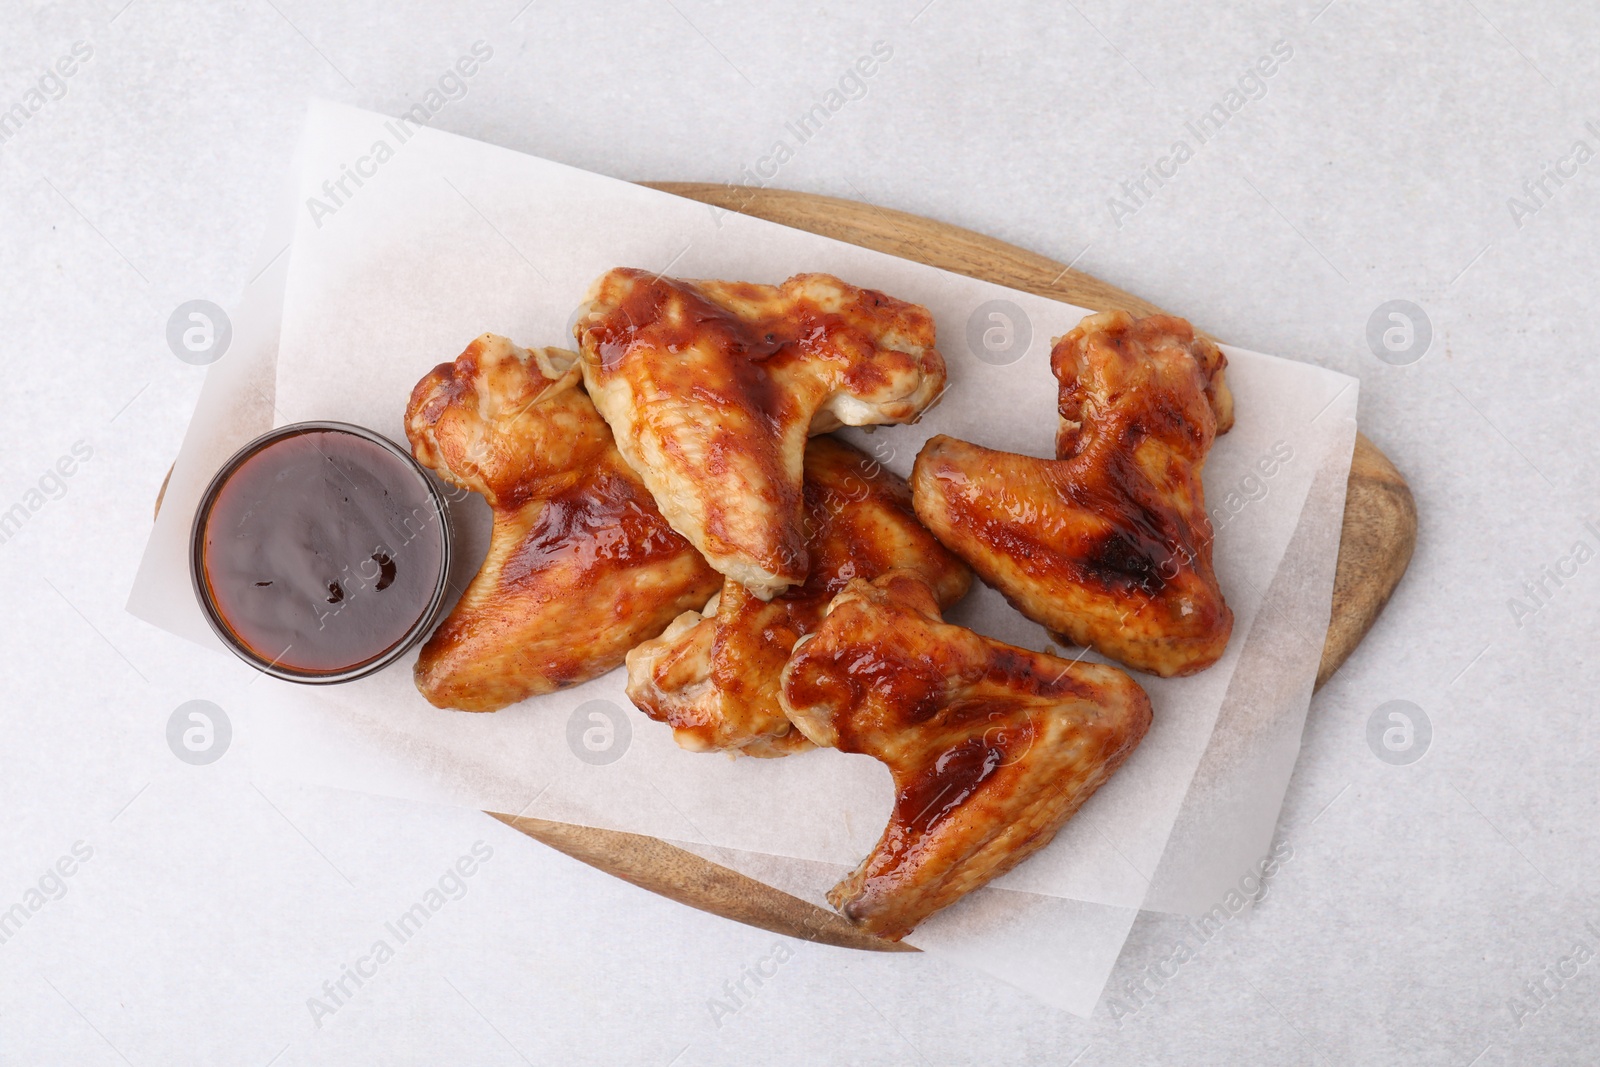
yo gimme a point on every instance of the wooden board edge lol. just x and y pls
(161, 494)
(1376, 541)
(680, 875)
(905, 235)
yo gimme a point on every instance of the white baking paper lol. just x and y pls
(446, 238)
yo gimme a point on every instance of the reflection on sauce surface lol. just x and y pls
(321, 551)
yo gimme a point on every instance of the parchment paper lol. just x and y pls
(448, 238)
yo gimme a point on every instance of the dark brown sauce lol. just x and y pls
(322, 551)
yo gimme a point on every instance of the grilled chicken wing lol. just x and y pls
(581, 566)
(714, 676)
(712, 387)
(1108, 545)
(992, 747)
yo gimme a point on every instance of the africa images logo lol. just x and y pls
(450, 86)
(50, 86)
(1540, 590)
(453, 884)
(1250, 86)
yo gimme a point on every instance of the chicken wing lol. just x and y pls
(581, 566)
(1109, 544)
(714, 676)
(712, 388)
(991, 747)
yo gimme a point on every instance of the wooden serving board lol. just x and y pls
(1380, 530)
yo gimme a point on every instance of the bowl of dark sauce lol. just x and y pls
(320, 552)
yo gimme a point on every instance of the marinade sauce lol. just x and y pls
(320, 552)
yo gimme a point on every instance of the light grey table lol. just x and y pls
(1436, 912)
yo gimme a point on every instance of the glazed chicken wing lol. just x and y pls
(992, 747)
(1109, 544)
(714, 676)
(712, 388)
(581, 566)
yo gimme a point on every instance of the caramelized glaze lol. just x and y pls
(1108, 545)
(712, 388)
(991, 747)
(714, 677)
(580, 567)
